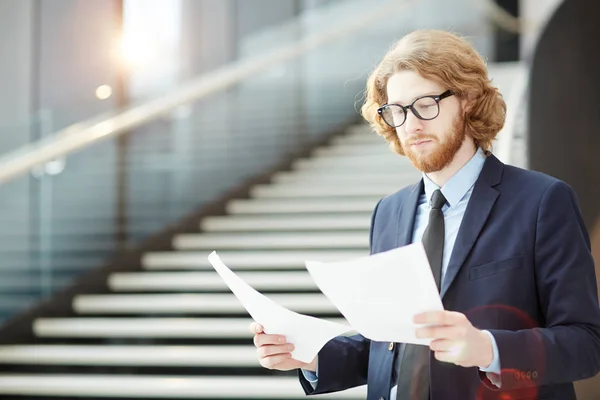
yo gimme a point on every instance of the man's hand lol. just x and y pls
(275, 353)
(455, 340)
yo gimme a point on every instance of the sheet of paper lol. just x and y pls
(380, 294)
(308, 334)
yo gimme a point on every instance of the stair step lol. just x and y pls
(134, 355)
(125, 327)
(359, 138)
(349, 149)
(356, 163)
(296, 190)
(207, 281)
(309, 240)
(215, 303)
(275, 259)
(383, 156)
(353, 177)
(275, 206)
(156, 386)
(313, 222)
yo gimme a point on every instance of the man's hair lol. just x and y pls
(450, 61)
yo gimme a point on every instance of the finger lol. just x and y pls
(453, 352)
(263, 339)
(442, 345)
(288, 364)
(272, 361)
(439, 318)
(453, 332)
(447, 356)
(271, 350)
(255, 327)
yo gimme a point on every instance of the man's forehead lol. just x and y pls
(407, 98)
(405, 86)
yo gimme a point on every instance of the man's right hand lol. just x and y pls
(275, 353)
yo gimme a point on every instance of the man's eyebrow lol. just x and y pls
(430, 93)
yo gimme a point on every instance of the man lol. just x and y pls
(507, 247)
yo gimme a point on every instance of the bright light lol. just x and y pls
(137, 50)
(103, 92)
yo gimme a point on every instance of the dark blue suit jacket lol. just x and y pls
(521, 268)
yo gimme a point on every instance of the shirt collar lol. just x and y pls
(460, 183)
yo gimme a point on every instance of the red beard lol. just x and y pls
(439, 158)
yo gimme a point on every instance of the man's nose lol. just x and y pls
(412, 124)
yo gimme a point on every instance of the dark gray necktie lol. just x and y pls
(413, 378)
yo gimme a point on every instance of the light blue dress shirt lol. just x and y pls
(457, 192)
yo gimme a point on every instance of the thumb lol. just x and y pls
(255, 327)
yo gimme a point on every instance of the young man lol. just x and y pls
(507, 247)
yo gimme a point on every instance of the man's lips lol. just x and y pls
(420, 142)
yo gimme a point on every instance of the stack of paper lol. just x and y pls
(378, 295)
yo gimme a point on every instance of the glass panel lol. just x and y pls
(75, 213)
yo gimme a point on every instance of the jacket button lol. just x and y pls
(391, 346)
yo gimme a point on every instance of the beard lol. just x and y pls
(443, 155)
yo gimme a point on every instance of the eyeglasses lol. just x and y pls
(424, 107)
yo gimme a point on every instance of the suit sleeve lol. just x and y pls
(343, 364)
(344, 360)
(567, 348)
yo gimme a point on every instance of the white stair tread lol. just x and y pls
(174, 328)
(276, 259)
(272, 240)
(359, 220)
(217, 303)
(342, 150)
(361, 138)
(130, 355)
(357, 163)
(338, 177)
(316, 190)
(374, 157)
(208, 280)
(130, 386)
(272, 206)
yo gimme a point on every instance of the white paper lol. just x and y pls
(380, 294)
(306, 333)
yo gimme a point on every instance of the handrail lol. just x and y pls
(86, 133)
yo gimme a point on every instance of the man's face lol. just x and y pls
(430, 145)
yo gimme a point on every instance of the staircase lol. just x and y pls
(174, 330)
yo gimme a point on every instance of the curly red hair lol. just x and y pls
(452, 62)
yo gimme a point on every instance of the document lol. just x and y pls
(308, 334)
(379, 294)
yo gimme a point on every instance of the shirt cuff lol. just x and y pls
(312, 377)
(493, 371)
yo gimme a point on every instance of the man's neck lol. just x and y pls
(461, 158)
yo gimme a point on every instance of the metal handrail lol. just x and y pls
(86, 133)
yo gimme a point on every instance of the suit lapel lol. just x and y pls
(406, 215)
(480, 205)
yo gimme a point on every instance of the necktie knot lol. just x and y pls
(437, 200)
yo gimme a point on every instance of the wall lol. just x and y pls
(564, 116)
(535, 14)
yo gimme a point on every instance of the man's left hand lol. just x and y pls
(455, 340)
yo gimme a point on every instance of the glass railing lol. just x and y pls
(73, 214)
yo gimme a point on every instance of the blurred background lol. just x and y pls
(137, 136)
